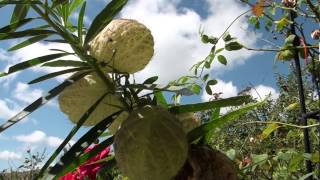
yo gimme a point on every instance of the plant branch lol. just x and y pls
(283, 124)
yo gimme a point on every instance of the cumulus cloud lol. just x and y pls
(38, 137)
(175, 31)
(8, 108)
(261, 91)
(227, 89)
(9, 155)
(24, 93)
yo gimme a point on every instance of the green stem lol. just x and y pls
(283, 124)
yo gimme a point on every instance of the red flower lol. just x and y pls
(88, 169)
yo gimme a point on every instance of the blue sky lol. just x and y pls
(174, 25)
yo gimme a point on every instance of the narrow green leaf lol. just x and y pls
(28, 42)
(20, 34)
(3, 74)
(232, 101)
(20, 12)
(269, 129)
(11, 27)
(35, 61)
(59, 169)
(176, 89)
(151, 80)
(55, 74)
(222, 59)
(218, 122)
(58, 2)
(19, 2)
(82, 120)
(104, 18)
(74, 5)
(161, 100)
(65, 63)
(80, 22)
(57, 41)
(218, 50)
(40, 102)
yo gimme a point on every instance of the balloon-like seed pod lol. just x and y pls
(131, 41)
(150, 144)
(77, 98)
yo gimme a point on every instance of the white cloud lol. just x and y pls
(36, 50)
(8, 108)
(9, 155)
(226, 88)
(175, 31)
(40, 138)
(24, 93)
(261, 91)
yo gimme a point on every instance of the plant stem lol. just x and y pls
(283, 124)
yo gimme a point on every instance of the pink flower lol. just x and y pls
(88, 169)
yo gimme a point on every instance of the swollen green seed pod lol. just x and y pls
(150, 144)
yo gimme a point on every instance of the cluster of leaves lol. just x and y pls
(262, 142)
(56, 26)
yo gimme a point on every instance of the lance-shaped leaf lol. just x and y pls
(104, 18)
(77, 161)
(26, 33)
(35, 61)
(161, 100)
(20, 12)
(232, 101)
(83, 118)
(40, 102)
(11, 27)
(177, 89)
(28, 42)
(65, 63)
(83, 143)
(5, 2)
(55, 74)
(218, 122)
(80, 22)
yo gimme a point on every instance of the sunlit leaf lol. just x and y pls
(259, 159)
(35, 61)
(65, 63)
(232, 101)
(269, 129)
(80, 21)
(55, 74)
(161, 100)
(104, 17)
(28, 42)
